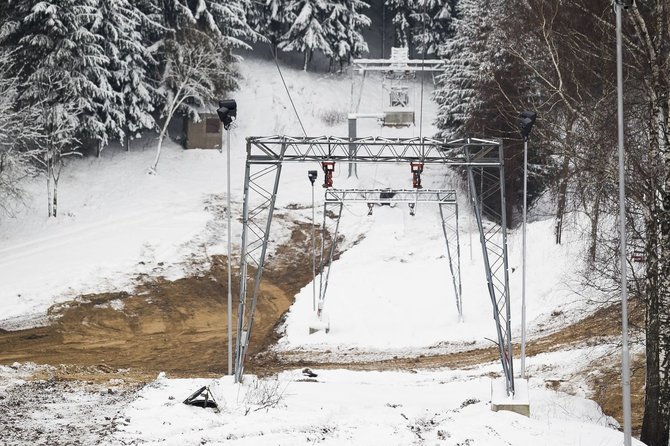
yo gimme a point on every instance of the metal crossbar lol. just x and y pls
(392, 195)
(275, 149)
(401, 65)
(480, 159)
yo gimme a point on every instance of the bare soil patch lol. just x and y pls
(174, 326)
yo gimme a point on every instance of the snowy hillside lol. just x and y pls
(389, 293)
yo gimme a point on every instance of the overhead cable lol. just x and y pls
(274, 57)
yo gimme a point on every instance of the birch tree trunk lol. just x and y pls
(562, 198)
(49, 172)
(159, 147)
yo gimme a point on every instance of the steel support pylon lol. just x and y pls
(256, 224)
(265, 156)
(488, 201)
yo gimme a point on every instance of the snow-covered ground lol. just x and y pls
(390, 293)
(341, 407)
(394, 291)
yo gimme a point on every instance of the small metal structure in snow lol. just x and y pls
(482, 160)
(332, 213)
(397, 74)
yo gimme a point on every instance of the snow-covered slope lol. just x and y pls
(341, 407)
(390, 293)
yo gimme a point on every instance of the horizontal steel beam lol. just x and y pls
(270, 149)
(398, 65)
(391, 195)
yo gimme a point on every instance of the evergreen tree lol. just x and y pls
(271, 19)
(54, 41)
(456, 95)
(307, 34)
(433, 21)
(4, 10)
(229, 17)
(177, 14)
(225, 19)
(222, 20)
(402, 12)
(130, 63)
(343, 30)
(153, 26)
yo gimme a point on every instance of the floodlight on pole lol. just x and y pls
(526, 123)
(227, 112)
(525, 126)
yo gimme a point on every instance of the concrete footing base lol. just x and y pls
(319, 325)
(518, 402)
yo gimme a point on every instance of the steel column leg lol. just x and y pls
(454, 263)
(244, 335)
(324, 275)
(505, 353)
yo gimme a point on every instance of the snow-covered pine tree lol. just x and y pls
(307, 34)
(177, 14)
(153, 26)
(464, 53)
(129, 63)
(402, 12)
(343, 30)
(222, 20)
(4, 10)
(225, 19)
(54, 41)
(271, 19)
(16, 126)
(432, 24)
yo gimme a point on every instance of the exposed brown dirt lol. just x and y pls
(180, 327)
(607, 390)
(174, 326)
(600, 325)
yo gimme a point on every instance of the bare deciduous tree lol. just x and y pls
(15, 128)
(197, 68)
(57, 126)
(568, 53)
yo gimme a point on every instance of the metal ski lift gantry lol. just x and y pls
(480, 159)
(332, 213)
(397, 74)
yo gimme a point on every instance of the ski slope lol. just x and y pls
(389, 294)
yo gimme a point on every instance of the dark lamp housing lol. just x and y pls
(227, 112)
(526, 123)
(312, 174)
(625, 4)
